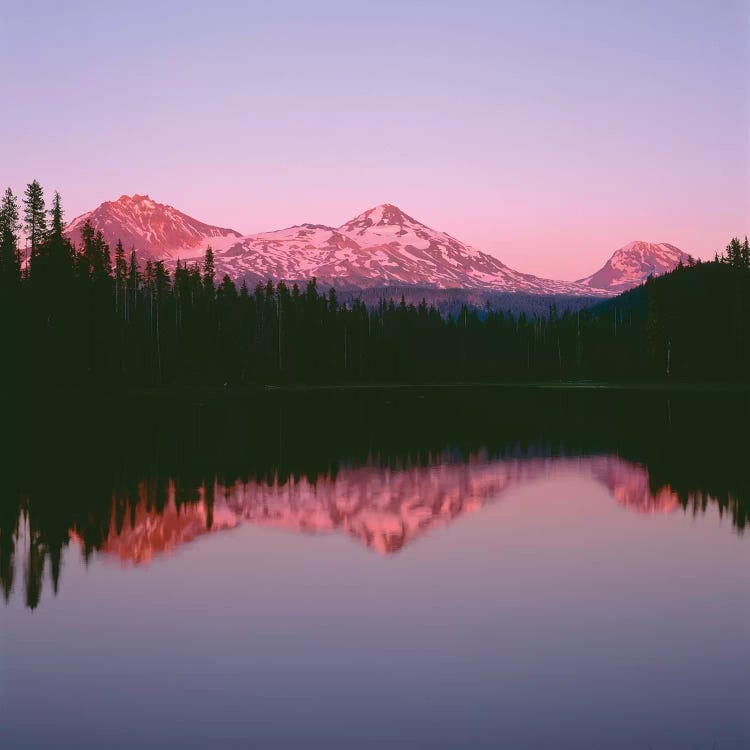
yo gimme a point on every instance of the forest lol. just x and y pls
(92, 315)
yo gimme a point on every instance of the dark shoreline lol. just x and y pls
(203, 392)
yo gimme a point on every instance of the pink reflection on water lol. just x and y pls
(383, 508)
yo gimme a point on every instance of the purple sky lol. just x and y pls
(548, 133)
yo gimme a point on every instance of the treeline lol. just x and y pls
(93, 315)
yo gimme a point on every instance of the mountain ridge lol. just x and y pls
(382, 246)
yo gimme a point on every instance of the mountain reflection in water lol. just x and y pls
(383, 509)
(382, 470)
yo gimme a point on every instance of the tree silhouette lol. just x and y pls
(10, 258)
(35, 218)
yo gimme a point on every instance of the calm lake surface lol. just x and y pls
(435, 568)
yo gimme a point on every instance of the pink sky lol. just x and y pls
(547, 134)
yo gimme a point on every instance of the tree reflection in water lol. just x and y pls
(137, 480)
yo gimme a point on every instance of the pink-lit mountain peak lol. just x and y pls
(659, 252)
(135, 198)
(388, 224)
(633, 263)
(155, 230)
(385, 214)
(381, 246)
(138, 203)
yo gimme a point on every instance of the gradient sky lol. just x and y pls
(548, 133)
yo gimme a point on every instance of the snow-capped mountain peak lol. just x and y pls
(386, 214)
(633, 263)
(155, 230)
(380, 247)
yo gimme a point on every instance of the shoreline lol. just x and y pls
(232, 393)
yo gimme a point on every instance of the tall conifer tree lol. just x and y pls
(35, 217)
(56, 215)
(10, 259)
(58, 250)
(209, 273)
(121, 271)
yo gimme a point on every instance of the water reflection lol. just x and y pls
(382, 509)
(384, 480)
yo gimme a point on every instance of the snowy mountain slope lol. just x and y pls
(379, 247)
(155, 230)
(632, 264)
(382, 247)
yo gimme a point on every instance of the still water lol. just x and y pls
(416, 569)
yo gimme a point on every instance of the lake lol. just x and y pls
(409, 568)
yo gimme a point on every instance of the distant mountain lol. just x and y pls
(380, 248)
(155, 230)
(633, 264)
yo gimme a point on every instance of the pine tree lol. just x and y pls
(86, 260)
(227, 291)
(56, 214)
(209, 273)
(162, 281)
(121, 270)
(34, 216)
(734, 253)
(104, 259)
(10, 258)
(134, 279)
(58, 250)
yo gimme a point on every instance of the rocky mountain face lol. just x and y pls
(633, 264)
(156, 231)
(382, 247)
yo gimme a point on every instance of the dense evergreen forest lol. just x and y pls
(92, 315)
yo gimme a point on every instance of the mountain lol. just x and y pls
(382, 246)
(631, 265)
(157, 231)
